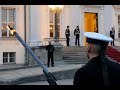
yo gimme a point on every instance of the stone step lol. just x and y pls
(74, 50)
(75, 62)
(74, 54)
(74, 57)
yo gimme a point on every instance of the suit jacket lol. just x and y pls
(91, 73)
(67, 33)
(76, 32)
(50, 48)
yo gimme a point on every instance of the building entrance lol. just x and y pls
(90, 23)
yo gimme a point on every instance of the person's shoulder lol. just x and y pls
(52, 45)
(82, 69)
(114, 64)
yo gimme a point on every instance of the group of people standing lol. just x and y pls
(76, 34)
(50, 48)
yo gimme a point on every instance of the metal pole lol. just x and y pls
(31, 52)
(50, 78)
(26, 59)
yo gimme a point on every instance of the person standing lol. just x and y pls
(99, 71)
(50, 48)
(76, 34)
(112, 35)
(67, 34)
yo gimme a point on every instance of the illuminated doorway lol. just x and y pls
(90, 23)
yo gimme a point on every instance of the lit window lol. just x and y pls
(52, 23)
(8, 18)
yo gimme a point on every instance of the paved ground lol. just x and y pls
(14, 76)
(59, 82)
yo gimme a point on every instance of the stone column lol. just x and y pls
(108, 19)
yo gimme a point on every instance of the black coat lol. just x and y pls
(112, 34)
(91, 73)
(67, 33)
(50, 49)
(76, 32)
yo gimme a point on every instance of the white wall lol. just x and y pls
(108, 19)
(74, 21)
(12, 44)
(35, 23)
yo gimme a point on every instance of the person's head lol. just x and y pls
(113, 28)
(67, 27)
(77, 27)
(96, 43)
(49, 42)
(93, 50)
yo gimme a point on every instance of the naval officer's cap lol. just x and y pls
(97, 38)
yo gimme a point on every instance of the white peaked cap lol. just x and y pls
(97, 38)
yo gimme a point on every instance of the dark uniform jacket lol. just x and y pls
(76, 32)
(50, 49)
(67, 33)
(91, 73)
(112, 33)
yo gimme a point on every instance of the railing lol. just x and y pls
(61, 40)
(45, 41)
(36, 43)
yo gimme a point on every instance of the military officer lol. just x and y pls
(50, 48)
(99, 71)
(76, 34)
(67, 34)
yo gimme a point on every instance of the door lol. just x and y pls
(90, 23)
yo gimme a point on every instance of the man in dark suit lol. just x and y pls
(99, 71)
(76, 34)
(67, 34)
(112, 35)
(50, 48)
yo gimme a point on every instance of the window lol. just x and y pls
(8, 18)
(118, 26)
(52, 23)
(9, 57)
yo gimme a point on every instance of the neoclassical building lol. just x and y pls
(35, 24)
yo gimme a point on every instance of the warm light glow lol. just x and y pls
(3, 28)
(51, 28)
(42, 36)
(56, 8)
(12, 31)
(7, 27)
(90, 23)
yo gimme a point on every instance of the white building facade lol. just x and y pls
(35, 24)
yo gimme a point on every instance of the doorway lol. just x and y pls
(90, 23)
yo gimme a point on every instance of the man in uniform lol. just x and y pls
(50, 48)
(67, 33)
(99, 71)
(112, 35)
(76, 34)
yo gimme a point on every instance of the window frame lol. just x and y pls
(53, 23)
(9, 35)
(118, 26)
(8, 57)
